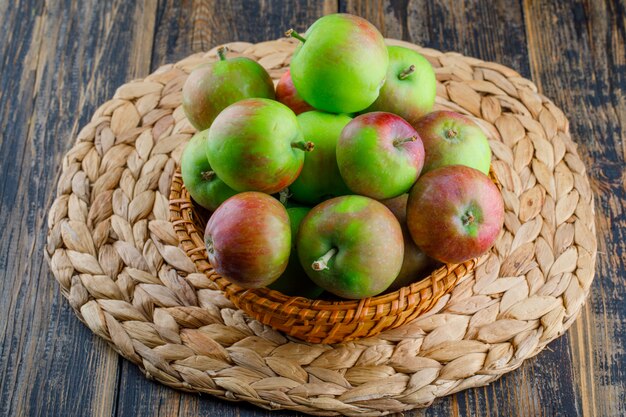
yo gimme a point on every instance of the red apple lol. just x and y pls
(287, 94)
(454, 213)
(416, 264)
(453, 139)
(248, 239)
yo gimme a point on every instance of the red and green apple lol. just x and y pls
(410, 88)
(341, 63)
(248, 239)
(351, 246)
(212, 87)
(454, 213)
(451, 138)
(379, 155)
(256, 144)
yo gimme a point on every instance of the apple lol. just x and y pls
(351, 246)
(454, 213)
(410, 88)
(294, 281)
(320, 178)
(200, 180)
(248, 239)
(341, 63)
(453, 139)
(256, 144)
(287, 94)
(379, 155)
(415, 264)
(212, 87)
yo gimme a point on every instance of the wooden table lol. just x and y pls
(61, 59)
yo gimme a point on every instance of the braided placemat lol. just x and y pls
(117, 259)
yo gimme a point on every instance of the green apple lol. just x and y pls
(294, 281)
(256, 144)
(453, 139)
(379, 155)
(410, 88)
(320, 178)
(200, 180)
(210, 88)
(341, 64)
(351, 246)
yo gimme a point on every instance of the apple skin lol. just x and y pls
(253, 146)
(416, 264)
(342, 65)
(202, 183)
(294, 281)
(372, 163)
(287, 94)
(368, 242)
(453, 139)
(320, 178)
(454, 213)
(248, 239)
(412, 95)
(212, 87)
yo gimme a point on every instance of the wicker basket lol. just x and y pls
(315, 321)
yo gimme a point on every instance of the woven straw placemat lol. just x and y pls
(117, 259)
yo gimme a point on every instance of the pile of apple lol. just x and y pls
(342, 174)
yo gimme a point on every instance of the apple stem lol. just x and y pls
(221, 53)
(283, 195)
(208, 175)
(293, 34)
(304, 145)
(398, 142)
(407, 72)
(322, 263)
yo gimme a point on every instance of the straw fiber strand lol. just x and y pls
(117, 259)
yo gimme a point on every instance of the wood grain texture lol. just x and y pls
(60, 60)
(578, 57)
(200, 25)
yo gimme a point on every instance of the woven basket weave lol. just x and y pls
(314, 321)
(117, 258)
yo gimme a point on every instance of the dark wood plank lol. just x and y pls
(59, 60)
(183, 28)
(490, 30)
(578, 57)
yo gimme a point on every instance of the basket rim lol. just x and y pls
(181, 208)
